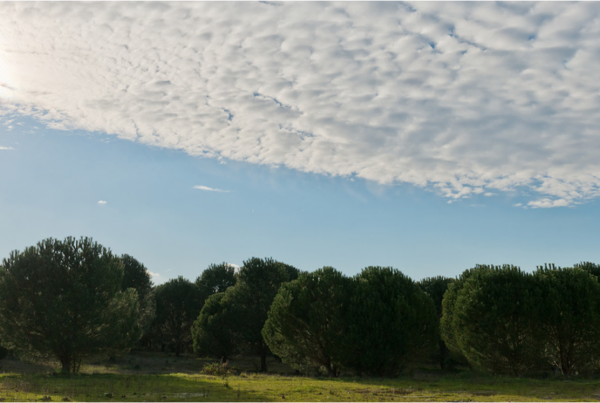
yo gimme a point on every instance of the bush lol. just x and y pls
(217, 369)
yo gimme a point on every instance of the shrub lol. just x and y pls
(219, 369)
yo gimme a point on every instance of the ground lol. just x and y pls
(159, 377)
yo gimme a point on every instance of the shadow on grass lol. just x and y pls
(123, 388)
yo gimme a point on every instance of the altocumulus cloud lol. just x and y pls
(462, 98)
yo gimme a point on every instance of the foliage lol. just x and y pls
(306, 320)
(214, 332)
(391, 322)
(63, 299)
(216, 278)
(495, 320)
(590, 267)
(178, 303)
(219, 369)
(436, 287)
(447, 322)
(569, 318)
(136, 276)
(258, 283)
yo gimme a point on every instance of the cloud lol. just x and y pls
(547, 203)
(6, 148)
(102, 202)
(211, 189)
(459, 98)
(152, 274)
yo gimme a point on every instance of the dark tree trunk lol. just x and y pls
(332, 371)
(263, 362)
(66, 364)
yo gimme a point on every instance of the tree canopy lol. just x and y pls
(216, 332)
(306, 321)
(495, 314)
(178, 304)
(136, 276)
(216, 278)
(63, 299)
(436, 287)
(391, 321)
(569, 320)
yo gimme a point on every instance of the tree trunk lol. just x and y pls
(332, 371)
(66, 364)
(263, 362)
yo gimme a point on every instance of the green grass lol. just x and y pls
(176, 379)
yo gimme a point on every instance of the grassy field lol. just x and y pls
(163, 378)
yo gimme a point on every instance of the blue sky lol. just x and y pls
(428, 137)
(52, 181)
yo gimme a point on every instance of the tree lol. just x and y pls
(178, 304)
(306, 320)
(495, 320)
(258, 283)
(590, 267)
(391, 321)
(136, 276)
(436, 287)
(216, 278)
(447, 322)
(63, 300)
(215, 332)
(569, 318)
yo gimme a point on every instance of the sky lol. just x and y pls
(425, 136)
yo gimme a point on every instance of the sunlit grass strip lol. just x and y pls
(254, 387)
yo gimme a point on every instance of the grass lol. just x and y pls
(162, 378)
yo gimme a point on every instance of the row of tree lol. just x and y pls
(73, 298)
(505, 320)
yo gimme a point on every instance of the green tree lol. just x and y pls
(590, 267)
(569, 317)
(216, 331)
(306, 320)
(216, 278)
(495, 320)
(63, 300)
(136, 276)
(436, 287)
(447, 322)
(391, 322)
(258, 283)
(178, 304)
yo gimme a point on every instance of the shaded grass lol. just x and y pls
(154, 382)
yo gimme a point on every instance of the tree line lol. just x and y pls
(71, 299)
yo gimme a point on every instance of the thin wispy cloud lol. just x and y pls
(208, 189)
(102, 202)
(460, 98)
(6, 148)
